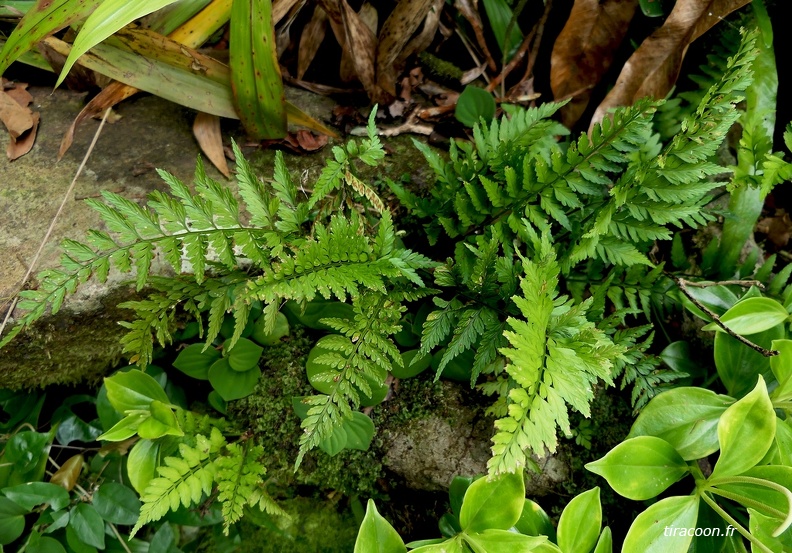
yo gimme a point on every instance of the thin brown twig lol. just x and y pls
(66, 197)
(683, 284)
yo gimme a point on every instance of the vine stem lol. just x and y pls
(731, 520)
(775, 486)
(66, 197)
(683, 284)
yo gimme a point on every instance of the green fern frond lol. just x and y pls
(556, 356)
(182, 480)
(238, 476)
(364, 350)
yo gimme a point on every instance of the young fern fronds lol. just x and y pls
(556, 356)
(182, 480)
(238, 475)
(363, 351)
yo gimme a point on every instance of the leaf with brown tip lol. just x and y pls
(653, 69)
(206, 129)
(584, 51)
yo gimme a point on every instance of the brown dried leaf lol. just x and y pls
(206, 129)
(112, 94)
(280, 8)
(469, 10)
(394, 36)
(18, 91)
(311, 38)
(309, 141)
(18, 119)
(360, 45)
(422, 40)
(22, 145)
(777, 228)
(584, 51)
(653, 69)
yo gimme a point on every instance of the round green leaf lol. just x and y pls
(640, 468)
(117, 504)
(44, 545)
(32, 494)
(745, 433)
(273, 338)
(133, 389)
(244, 356)
(534, 521)
(738, 365)
(195, 362)
(579, 525)
(231, 384)
(493, 503)
(335, 442)
(752, 315)
(162, 422)
(142, 463)
(12, 520)
(359, 430)
(686, 418)
(88, 525)
(413, 364)
(473, 105)
(647, 533)
(376, 535)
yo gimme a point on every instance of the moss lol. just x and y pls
(268, 413)
(315, 526)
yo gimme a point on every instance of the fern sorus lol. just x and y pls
(555, 356)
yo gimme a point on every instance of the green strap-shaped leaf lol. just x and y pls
(255, 75)
(108, 18)
(45, 18)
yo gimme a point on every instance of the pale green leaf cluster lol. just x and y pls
(555, 357)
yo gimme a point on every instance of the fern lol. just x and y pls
(555, 357)
(238, 475)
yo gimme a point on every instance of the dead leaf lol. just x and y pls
(17, 119)
(394, 36)
(112, 94)
(206, 129)
(22, 145)
(584, 50)
(361, 41)
(280, 8)
(18, 91)
(422, 40)
(368, 18)
(299, 142)
(653, 69)
(778, 228)
(311, 38)
(69, 472)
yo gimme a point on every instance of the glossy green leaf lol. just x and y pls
(231, 384)
(534, 521)
(164, 540)
(751, 316)
(652, 8)
(217, 402)
(106, 19)
(745, 433)
(255, 72)
(142, 463)
(74, 429)
(413, 364)
(116, 503)
(503, 541)
(376, 535)
(273, 337)
(26, 449)
(126, 428)
(605, 541)
(132, 390)
(717, 299)
(493, 503)
(647, 532)
(640, 468)
(764, 498)
(88, 525)
(359, 430)
(456, 492)
(763, 528)
(678, 357)
(108, 416)
(473, 105)
(335, 442)
(33, 494)
(76, 545)
(44, 545)
(738, 365)
(195, 362)
(781, 365)
(45, 18)
(454, 545)
(162, 422)
(244, 355)
(12, 520)
(580, 522)
(686, 418)
(499, 15)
